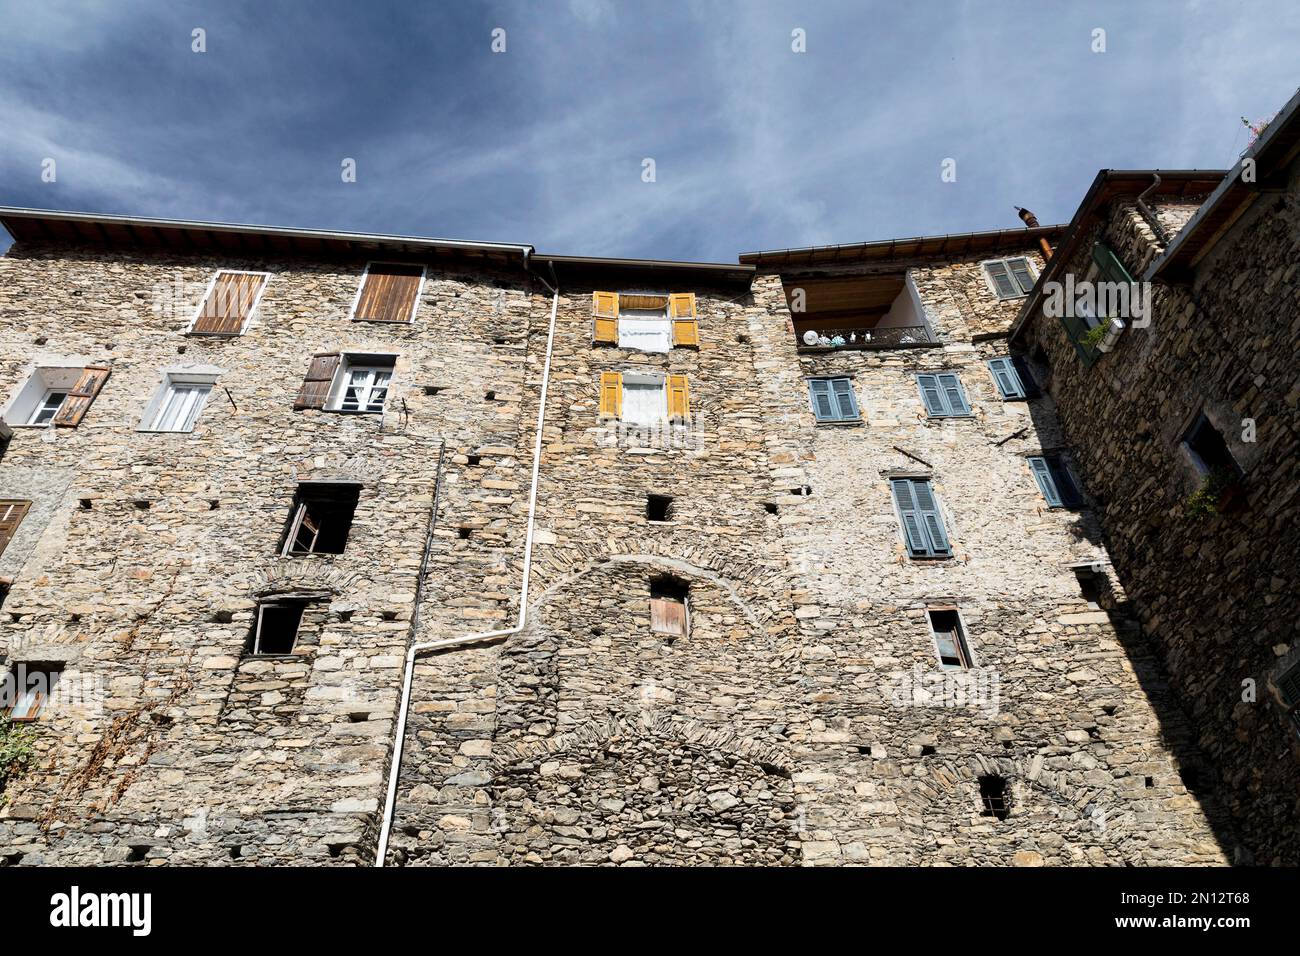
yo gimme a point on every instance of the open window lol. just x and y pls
(857, 312)
(994, 797)
(1055, 481)
(275, 629)
(321, 518)
(669, 607)
(361, 384)
(1208, 450)
(56, 395)
(28, 690)
(645, 321)
(949, 638)
(177, 404)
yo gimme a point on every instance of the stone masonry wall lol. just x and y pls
(159, 545)
(1218, 594)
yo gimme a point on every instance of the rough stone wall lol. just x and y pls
(148, 570)
(1219, 594)
(1081, 727)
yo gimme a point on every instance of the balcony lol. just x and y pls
(812, 339)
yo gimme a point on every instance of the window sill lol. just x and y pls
(950, 418)
(930, 558)
(166, 431)
(350, 411)
(357, 318)
(856, 421)
(292, 656)
(213, 335)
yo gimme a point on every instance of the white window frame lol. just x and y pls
(172, 379)
(640, 378)
(419, 292)
(252, 309)
(255, 649)
(349, 361)
(993, 286)
(42, 379)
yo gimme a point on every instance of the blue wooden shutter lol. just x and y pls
(819, 390)
(913, 531)
(1046, 484)
(1027, 383)
(928, 510)
(1004, 374)
(931, 394)
(842, 390)
(953, 394)
(1066, 489)
(1021, 274)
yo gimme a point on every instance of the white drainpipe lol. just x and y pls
(484, 637)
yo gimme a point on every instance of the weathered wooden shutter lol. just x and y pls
(668, 616)
(686, 327)
(229, 303)
(389, 292)
(604, 309)
(819, 393)
(1002, 281)
(1004, 375)
(611, 394)
(845, 401)
(931, 394)
(1112, 270)
(74, 407)
(954, 395)
(913, 530)
(679, 398)
(316, 386)
(11, 515)
(928, 511)
(1046, 483)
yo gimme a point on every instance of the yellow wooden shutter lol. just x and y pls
(679, 398)
(686, 328)
(604, 306)
(611, 394)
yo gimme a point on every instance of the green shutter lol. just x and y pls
(997, 271)
(819, 390)
(1004, 375)
(842, 390)
(917, 543)
(953, 394)
(1112, 270)
(931, 520)
(931, 394)
(1046, 484)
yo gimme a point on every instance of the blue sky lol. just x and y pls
(755, 146)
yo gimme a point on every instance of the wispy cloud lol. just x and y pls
(755, 145)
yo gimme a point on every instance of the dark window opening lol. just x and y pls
(490, 397)
(321, 519)
(473, 459)
(994, 796)
(669, 612)
(658, 508)
(276, 629)
(464, 533)
(1191, 778)
(26, 690)
(1208, 450)
(770, 507)
(1091, 585)
(927, 750)
(949, 638)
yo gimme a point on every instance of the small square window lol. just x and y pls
(321, 519)
(1208, 449)
(275, 631)
(994, 797)
(669, 610)
(658, 508)
(28, 689)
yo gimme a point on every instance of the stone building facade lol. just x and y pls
(336, 549)
(1202, 530)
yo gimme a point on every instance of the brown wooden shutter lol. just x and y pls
(316, 386)
(74, 407)
(668, 616)
(604, 309)
(12, 513)
(686, 328)
(611, 394)
(679, 398)
(388, 293)
(229, 304)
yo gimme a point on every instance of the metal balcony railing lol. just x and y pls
(899, 336)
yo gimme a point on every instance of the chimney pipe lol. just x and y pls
(1031, 222)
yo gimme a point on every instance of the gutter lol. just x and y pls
(484, 637)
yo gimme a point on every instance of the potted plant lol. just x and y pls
(1220, 493)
